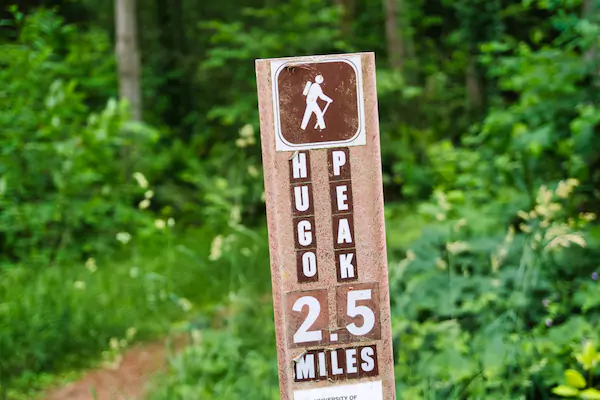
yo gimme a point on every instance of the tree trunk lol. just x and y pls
(128, 56)
(348, 7)
(410, 61)
(395, 45)
(474, 92)
(177, 85)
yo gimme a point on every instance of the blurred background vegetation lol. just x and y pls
(124, 221)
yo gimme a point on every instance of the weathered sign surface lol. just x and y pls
(324, 195)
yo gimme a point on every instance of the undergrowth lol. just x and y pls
(60, 318)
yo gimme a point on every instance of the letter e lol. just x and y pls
(342, 197)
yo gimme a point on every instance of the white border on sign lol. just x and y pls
(359, 391)
(359, 139)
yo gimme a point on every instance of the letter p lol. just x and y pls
(339, 160)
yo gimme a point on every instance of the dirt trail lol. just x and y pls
(127, 382)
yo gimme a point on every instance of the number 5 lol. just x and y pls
(364, 311)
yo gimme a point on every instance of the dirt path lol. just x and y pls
(127, 382)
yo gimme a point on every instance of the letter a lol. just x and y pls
(344, 233)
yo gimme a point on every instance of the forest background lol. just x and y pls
(124, 221)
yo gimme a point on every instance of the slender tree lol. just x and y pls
(395, 44)
(128, 55)
(473, 83)
(348, 7)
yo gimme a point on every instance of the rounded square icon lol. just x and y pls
(318, 102)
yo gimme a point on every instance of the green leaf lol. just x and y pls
(575, 379)
(565, 391)
(590, 394)
(588, 358)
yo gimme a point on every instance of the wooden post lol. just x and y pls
(323, 186)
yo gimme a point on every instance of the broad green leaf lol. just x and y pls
(565, 391)
(575, 379)
(588, 358)
(590, 394)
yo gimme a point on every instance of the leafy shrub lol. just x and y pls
(66, 316)
(238, 360)
(62, 189)
(486, 309)
(576, 384)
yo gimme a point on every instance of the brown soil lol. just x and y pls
(128, 381)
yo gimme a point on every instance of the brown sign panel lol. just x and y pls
(358, 310)
(318, 103)
(343, 231)
(323, 185)
(336, 364)
(305, 233)
(299, 166)
(346, 265)
(302, 199)
(338, 164)
(306, 266)
(308, 318)
(305, 90)
(341, 197)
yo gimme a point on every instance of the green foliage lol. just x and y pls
(576, 384)
(59, 195)
(66, 315)
(236, 361)
(494, 296)
(476, 300)
(262, 33)
(489, 136)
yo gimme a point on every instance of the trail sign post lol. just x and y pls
(323, 188)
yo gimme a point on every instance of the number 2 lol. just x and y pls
(309, 319)
(303, 335)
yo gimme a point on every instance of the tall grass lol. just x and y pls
(66, 316)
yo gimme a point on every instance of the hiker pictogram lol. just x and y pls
(318, 103)
(313, 93)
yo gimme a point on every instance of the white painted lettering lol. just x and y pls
(339, 160)
(322, 365)
(299, 166)
(309, 264)
(335, 368)
(342, 197)
(366, 355)
(346, 267)
(301, 201)
(305, 367)
(304, 233)
(351, 367)
(344, 234)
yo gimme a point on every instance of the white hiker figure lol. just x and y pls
(313, 92)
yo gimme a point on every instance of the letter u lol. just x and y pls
(301, 200)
